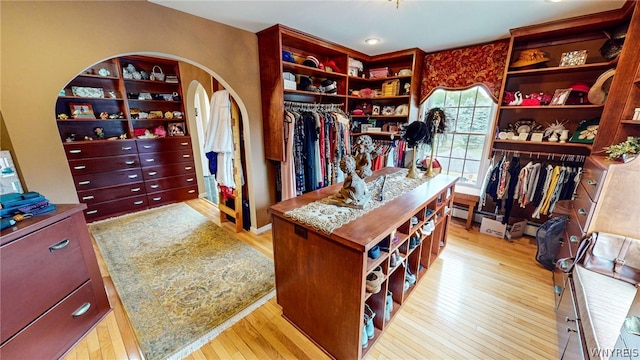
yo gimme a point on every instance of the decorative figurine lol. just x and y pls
(104, 115)
(63, 116)
(99, 132)
(364, 151)
(354, 191)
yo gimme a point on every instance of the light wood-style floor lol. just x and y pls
(484, 298)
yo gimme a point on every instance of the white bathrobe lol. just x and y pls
(219, 137)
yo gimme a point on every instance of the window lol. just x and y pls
(463, 149)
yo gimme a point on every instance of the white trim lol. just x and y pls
(261, 230)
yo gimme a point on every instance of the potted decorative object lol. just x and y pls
(626, 150)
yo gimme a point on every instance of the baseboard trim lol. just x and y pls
(261, 230)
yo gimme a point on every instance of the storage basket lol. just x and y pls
(391, 87)
(378, 73)
(157, 73)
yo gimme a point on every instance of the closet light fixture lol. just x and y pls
(372, 41)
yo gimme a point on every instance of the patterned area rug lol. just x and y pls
(181, 278)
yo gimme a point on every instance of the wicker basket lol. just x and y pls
(391, 87)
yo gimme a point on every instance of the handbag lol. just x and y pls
(613, 255)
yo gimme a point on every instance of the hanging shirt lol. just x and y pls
(219, 137)
(287, 168)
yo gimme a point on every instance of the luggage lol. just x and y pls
(549, 238)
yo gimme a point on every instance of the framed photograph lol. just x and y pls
(176, 129)
(560, 97)
(573, 58)
(365, 127)
(537, 137)
(9, 178)
(82, 111)
(376, 110)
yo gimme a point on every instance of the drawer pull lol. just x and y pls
(131, 162)
(135, 189)
(132, 176)
(188, 167)
(186, 156)
(89, 197)
(75, 151)
(573, 239)
(81, 310)
(146, 146)
(191, 191)
(86, 182)
(571, 330)
(582, 212)
(91, 212)
(154, 186)
(592, 182)
(126, 148)
(189, 179)
(157, 198)
(567, 319)
(151, 173)
(150, 160)
(80, 167)
(139, 202)
(61, 245)
(184, 143)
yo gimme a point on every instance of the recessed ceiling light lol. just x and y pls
(372, 41)
(554, 0)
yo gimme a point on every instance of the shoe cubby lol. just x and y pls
(332, 313)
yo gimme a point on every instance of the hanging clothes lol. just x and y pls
(287, 168)
(219, 137)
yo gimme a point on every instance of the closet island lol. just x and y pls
(322, 271)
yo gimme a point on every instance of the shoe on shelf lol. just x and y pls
(428, 213)
(388, 307)
(410, 277)
(365, 338)
(374, 252)
(393, 260)
(406, 286)
(368, 321)
(375, 280)
(414, 221)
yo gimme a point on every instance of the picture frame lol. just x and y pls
(537, 137)
(10, 181)
(82, 111)
(560, 97)
(573, 58)
(176, 129)
(365, 127)
(376, 110)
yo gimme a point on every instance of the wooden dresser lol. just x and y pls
(321, 278)
(52, 290)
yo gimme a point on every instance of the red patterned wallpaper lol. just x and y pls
(464, 67)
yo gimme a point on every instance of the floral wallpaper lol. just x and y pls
(460, 68)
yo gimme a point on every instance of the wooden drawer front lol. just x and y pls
(95, 165)
(573, 234)
(583, 207)
(100, 148)
(170, 183)
(111, 193)
(156, 172)
(104, 209)
(37, 272)
(165, 158)
(592, 179)
(163, 144)
(174, 195)
(51, 335)
(113, 178)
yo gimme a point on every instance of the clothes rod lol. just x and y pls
(543, 155)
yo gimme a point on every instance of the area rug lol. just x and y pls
(181, 278)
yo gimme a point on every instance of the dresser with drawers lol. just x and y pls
(115, 177)
(52, 290)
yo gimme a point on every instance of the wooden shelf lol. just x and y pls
(377, 80)
(563, 69)
(548, 107)
(543, 143)
(302, 92)
(380, 97)
(90, 120)
(377, 133)
(311, 71)
(78, 98)
(380, 117)
(630, 122)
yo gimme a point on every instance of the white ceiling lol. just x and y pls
(427, 24)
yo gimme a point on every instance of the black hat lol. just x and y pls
(414, 133)
(329, 87)
(306, 84)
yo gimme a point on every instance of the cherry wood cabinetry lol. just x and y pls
(118, 176)
(321, 278)
(555, 38)
(278, 38)
(52, 290)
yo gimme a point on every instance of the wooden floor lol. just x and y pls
(484, 298)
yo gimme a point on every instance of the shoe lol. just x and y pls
(388, 306)
(428, 213)
(374, 252)
(406, 286)
(365, 338)
(410, 277)
(393, 260)
(414, 221)
(374, 280)
(368, 321)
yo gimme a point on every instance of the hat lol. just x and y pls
(286, 56)
(331, 65)
(580, 87)
(329, 87)
(599, 90)
(305, 84)
(530, 57)
(311, 61)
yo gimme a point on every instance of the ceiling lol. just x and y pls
(427, 24)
